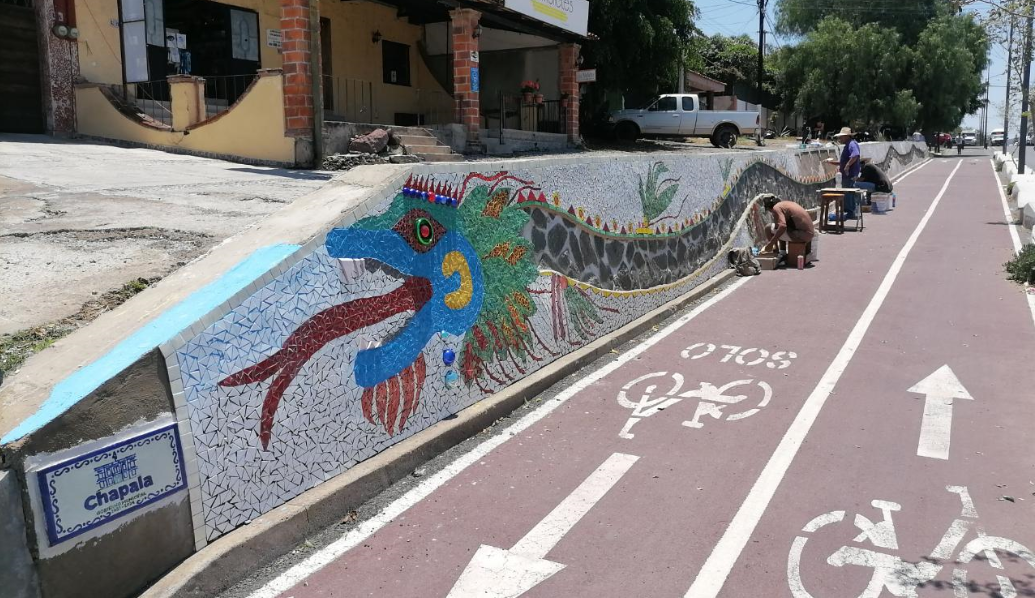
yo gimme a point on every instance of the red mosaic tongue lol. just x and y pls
(319, 330)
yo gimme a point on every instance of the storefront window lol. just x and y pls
(244, 31)
(396, 62)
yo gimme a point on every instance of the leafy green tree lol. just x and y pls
(947, 71)
(734, 61)
(848, 75)
(867, 76)
(641, 45)
(908, 17)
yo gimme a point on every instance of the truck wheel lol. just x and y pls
(627, 131)
(725, 136)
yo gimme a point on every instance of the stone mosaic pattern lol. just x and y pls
(454, 287)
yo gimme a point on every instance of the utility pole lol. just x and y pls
(1025, 81)
(761, 48)
(761, 68)
(1009, 72)
(984, 126)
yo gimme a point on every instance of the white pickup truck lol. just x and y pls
(680, 115)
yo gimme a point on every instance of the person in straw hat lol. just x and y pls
(850, 165)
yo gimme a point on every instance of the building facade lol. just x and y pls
(167, 73)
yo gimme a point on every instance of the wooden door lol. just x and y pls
(21, 110)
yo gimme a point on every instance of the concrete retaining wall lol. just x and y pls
(17, 574)
(365, 313)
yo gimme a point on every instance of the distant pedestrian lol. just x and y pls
(959, 145)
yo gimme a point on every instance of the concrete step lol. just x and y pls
(421, 150)
(441, 157)
(411, 131)
(418, 140)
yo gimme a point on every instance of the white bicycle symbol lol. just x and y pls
(713, 400)
(899, 577)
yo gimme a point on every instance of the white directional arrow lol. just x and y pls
(498, 573)
(941, 388)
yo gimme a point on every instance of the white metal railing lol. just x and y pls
(357, 100)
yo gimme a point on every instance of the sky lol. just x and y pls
(735, 17)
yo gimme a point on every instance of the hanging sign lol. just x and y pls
(571, 15)
(586, 76)
(273, 38)
(87, 491)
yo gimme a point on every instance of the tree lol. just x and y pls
(641, 45)
(868, 76)
(734, 61)
(850, 76)
(950, 56)
(907, 17)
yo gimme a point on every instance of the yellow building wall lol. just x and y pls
(355, 56)
(253, 128)
(100, 57)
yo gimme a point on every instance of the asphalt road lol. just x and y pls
(860, 428)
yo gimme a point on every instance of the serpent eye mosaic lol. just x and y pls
(420, 230)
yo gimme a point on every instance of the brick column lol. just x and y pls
(59, 62)
(468, 110)
(296, 51)
(569, 58)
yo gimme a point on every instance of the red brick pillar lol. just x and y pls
(468, 110)
(296, 51)
(569, 58)
(59, 61)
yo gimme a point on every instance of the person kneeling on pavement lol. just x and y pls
(791, 222)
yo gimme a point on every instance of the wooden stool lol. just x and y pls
(838, 200)
(794, 249)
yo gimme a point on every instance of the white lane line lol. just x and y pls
(903, 176)
(1017, 245)
(716, 569)
(322, 558)
(538, 542)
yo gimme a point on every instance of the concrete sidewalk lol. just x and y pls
(78, 219)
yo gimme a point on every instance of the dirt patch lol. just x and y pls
(17, 347)
(107, 235)
(46, 276)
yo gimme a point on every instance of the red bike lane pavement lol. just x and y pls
(650, 533)
(951, 306)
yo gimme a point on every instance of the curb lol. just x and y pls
(232, 557)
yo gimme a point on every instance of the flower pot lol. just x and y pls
(526, 97)
(538, 98)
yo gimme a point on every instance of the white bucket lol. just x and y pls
(880, 202)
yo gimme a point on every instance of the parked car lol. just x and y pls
(969, 138)
(943, 139)
(679, 115)
(996, 138)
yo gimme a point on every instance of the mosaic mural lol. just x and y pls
(455, 286)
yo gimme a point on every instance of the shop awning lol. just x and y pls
(494, 14)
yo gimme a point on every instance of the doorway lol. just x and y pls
(21, 110)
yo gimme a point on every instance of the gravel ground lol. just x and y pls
(375, 505)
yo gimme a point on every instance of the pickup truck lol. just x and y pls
(680, 115)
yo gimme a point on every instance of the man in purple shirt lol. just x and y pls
(850, 165)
